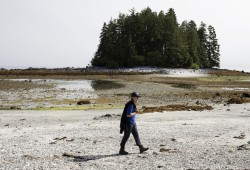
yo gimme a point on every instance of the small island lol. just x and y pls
(149, 38)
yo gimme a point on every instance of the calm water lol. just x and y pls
(73, 85)
(59, 92)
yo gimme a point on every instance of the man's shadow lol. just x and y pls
(86, 158)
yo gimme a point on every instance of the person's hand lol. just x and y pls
(134, 113)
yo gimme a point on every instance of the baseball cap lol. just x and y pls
(135, 94)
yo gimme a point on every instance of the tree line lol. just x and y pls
(149, 38)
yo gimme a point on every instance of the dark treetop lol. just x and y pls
(156, 39)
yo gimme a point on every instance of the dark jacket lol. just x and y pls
(124, 120)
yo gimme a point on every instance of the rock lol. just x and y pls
(160, 166)
(164, 150)
(142, 156)
(173, 139)
(244, 147)
(217, 94)
(82, 102)
(198, 102)
(168, 150)
(245, 95)
(241, 136)
(15, 108)
(68, 155)
(236, 101)
(70, 140)
(52, 143)
(107, 116)
(60, 138)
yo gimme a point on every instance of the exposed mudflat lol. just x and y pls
(112, 91)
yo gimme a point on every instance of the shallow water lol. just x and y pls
(88, 85)
(58, 93)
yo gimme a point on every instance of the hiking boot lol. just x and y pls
(142, 149)
(123, 152)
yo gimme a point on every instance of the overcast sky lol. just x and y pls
(65, 33)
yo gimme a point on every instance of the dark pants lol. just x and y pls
(131, 128)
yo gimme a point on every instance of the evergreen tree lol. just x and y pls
(202, 32)
(193, 42)
(213, 48)
(188, 61)
(173, 50)
(99, 57)
(151, 39)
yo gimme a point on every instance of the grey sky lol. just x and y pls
(65, 33)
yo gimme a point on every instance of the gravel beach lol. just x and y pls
(216, 139)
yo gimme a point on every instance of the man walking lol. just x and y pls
(128, 124)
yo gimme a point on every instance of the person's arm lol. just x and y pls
(130, 112)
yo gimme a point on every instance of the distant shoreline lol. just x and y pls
(120, 71)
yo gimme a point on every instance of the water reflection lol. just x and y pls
(74, 84)
(185, 86)
(88, 85)
(105, 85)
(52, 92)
(83, 85)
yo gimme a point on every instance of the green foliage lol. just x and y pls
(156, 39)
(155, 58)
(213, 49)
(195, 66)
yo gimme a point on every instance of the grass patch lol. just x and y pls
(224, 78)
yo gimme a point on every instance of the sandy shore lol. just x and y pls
(177, 140)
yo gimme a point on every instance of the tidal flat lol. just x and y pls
(58, 92)
(72, 122)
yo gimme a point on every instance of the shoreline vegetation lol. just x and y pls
(70, 71)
